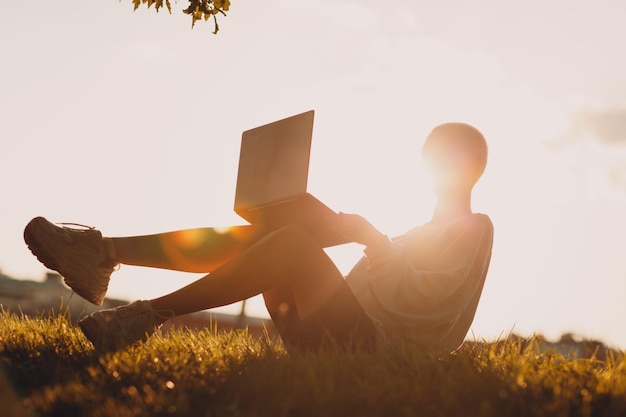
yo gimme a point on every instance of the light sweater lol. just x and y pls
(423, 287)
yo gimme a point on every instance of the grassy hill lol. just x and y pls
(54, 371)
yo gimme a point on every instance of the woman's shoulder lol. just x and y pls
(474, 222)
(481, 219)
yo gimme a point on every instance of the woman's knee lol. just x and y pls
(293, 235)
(278, 299)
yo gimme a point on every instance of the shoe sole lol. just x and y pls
(42, 252)
(35, 246)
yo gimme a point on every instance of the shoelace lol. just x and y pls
(76, 224)
(130, 313)
(106, 269)
(114, 266)
(165, 314)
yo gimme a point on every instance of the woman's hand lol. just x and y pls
(356, 228)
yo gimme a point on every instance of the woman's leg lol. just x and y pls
(192, 250)
(287, 257)
(287, 266)
(340, 322)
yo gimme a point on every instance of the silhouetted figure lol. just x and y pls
(422, 287)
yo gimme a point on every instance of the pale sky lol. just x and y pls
(131, 122)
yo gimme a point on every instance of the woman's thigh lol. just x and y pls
(339, 323)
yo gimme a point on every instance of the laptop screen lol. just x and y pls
(274, 161)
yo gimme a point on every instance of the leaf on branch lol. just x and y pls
(157, 4)
(222, 5)
(198, 9)
(204, 9)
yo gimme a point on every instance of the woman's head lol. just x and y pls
(455, 154)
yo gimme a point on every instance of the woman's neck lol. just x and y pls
(452, 204)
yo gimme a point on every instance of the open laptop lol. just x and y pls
(272, 179)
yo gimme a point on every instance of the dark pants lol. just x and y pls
(340, 324)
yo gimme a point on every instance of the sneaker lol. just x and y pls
(113, 329)
(77, 254)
